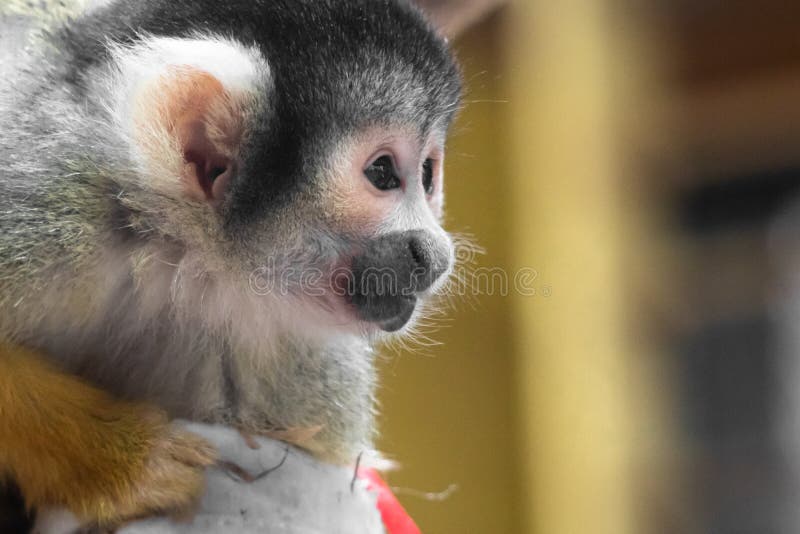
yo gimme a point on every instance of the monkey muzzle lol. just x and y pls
(388, 276)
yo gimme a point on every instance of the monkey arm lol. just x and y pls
(68, 444)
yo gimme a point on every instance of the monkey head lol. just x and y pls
(292, 159)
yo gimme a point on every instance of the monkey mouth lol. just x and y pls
(390, 311)
(389, 314)
(385, 279)
(399, 321)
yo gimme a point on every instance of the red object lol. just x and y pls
(395, 518)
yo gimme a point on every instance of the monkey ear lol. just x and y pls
(452, 17)
(187, 121)
(185, 104)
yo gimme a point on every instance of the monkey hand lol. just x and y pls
(70, 445)
(166, 477)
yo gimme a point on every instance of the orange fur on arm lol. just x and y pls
(69, 444)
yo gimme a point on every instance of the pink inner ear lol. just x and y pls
(211, 170)
(210, 175)
(187, 98)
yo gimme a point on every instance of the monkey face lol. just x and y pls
(362, 241)
(361, 247)
(390, 194)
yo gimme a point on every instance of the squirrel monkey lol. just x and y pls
(210, 211)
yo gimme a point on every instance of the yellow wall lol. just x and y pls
(571, 346)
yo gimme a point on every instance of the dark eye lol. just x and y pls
(427, 176)
(382, 174)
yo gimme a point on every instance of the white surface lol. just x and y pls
(301, 496)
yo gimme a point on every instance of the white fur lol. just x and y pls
(237, 67)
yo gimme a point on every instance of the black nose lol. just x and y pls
(389, 273)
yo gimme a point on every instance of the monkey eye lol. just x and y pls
(382, 174)
(427, 176)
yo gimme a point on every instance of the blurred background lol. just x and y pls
(626, 357)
